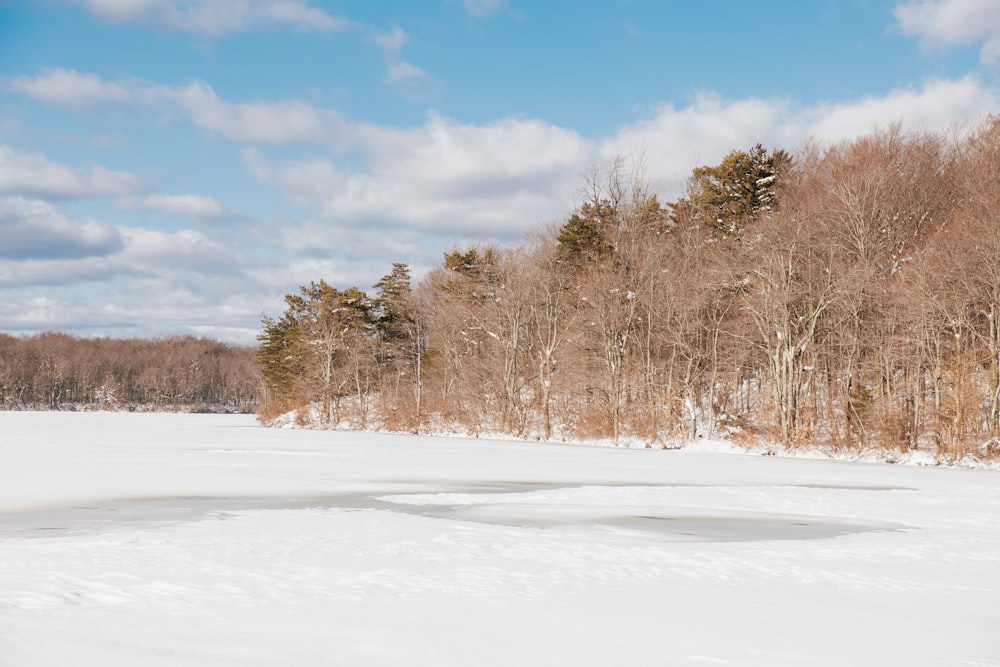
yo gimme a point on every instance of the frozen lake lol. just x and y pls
(206, 540)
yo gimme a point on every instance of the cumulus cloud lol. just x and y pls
(276, 123)
(32, 229)
(496, 180)
(213, 18)
(953, 22)
(397, 194)
(196, 207)
(133, 307)
(502, 179)
(936, 106)
(68, 88)
(677, 139)
(41, 243)
(33, 174)
(391, 42)
(122, 280)
(674, 140)
(397, 70)
(402, 71)
(270, 123)
(185, 250)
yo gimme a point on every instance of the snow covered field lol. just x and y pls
(152, 539)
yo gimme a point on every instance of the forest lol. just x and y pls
(57, 371)
(844, 296)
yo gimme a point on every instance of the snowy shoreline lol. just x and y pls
(760, 447)
(165, 539)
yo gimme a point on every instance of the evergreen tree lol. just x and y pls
(391, 308)
(401, 323)
(584, 238)
(473, 273)
(282, 359)
(305, 353)
(727, 196)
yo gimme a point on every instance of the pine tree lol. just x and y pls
(733, 193)
(583, 240)
(305, 354)
(391, 310)
(473, 273)
(282, 359)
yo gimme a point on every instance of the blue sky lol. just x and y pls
(176, 167)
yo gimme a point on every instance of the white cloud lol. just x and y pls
(675, 140)
(271, 123)
(392, 42)
(213, 18)
(501, 179)
(33, 174)
(125, 280)
(953, 22)
(188, 205)
(183, 250)
(496, 180)
(41, 243)
(485, 8)
(937, 106)
(148, 306)
(401, 71)
(69, 88)
(304, 182)
(278, 123)
(32, 229)
(302, 16)
(397, 70)
(445, 175)
(396, 194)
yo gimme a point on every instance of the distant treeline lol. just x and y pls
(62, 372)
(844, 295)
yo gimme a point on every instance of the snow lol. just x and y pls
(152, 539)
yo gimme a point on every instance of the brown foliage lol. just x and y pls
(60, 371)
(863, 313)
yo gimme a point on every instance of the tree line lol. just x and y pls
(59, 371)
(844, 295)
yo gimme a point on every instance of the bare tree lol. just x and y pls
(790, 284)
